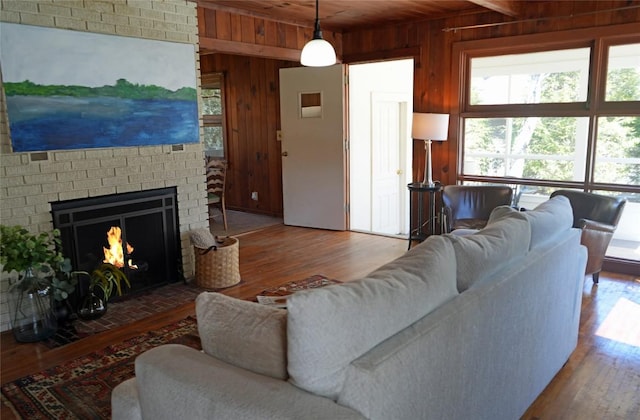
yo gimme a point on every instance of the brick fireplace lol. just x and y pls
(136, 232)
(31, 182)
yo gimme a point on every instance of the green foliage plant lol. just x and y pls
(64, 282)
(20, 251)
(107, 277)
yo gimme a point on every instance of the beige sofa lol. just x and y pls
(460, 327)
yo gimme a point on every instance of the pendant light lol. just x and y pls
(317, 52)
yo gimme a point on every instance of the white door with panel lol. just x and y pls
(388, 131)
(380, 104)
(314, 152)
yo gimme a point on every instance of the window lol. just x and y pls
(526, 147)
(213, 115)
(623, 73)
(531, 78)
(540, 115)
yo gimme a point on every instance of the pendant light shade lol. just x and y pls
(318, 52)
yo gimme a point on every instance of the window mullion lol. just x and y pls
(598, 70)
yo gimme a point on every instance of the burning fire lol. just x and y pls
(114, 254)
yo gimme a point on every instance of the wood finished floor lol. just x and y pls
(601, 380)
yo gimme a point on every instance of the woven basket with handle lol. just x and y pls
(217, 267)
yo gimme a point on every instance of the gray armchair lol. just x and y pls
(597, 216)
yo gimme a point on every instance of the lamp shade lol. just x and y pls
(318, 53)
(430, 126)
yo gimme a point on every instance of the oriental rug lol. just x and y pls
(81, 388)
(312, 282)
(277, 296)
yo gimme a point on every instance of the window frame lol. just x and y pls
(215, 81)
(598, 39)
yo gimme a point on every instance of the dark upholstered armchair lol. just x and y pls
(469, 207)
(597, 216)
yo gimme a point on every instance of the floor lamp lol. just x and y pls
(429, 127)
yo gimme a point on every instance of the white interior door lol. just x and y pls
(313, 147)
(388, 132)
(380, 158)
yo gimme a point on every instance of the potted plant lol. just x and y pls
(63, 284)
(106, 278)
(29, 262)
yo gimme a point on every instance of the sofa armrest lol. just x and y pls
(175, 381)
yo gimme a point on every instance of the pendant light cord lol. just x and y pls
(317, 33)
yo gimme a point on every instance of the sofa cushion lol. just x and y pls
(486, 252)
(504, 212)
(464, 232)
(328, 328)
(243, 333)
(548, 219)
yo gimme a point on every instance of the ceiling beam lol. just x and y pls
(243, 12)
(505, 7)
(213, 46)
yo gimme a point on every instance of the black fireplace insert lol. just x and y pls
(137, 232)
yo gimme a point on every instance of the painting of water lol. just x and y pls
(74, 90)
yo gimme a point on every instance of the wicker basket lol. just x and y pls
(218, 267)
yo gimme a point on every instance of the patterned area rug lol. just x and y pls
(313, 282)
(277, 296)
(82, 388)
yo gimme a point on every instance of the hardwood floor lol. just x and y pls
(600, 380)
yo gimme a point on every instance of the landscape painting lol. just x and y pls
(74, 90)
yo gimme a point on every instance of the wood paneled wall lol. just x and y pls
(250, 51)
(433, 69)
(252, 83)
(252, 110)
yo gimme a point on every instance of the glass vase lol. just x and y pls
(92, 307)
(31, 314)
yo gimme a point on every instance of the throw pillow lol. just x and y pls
(489, 250)
(202, 238)
(504, 212)
(244, 334)
(548, 219)
(328, 328)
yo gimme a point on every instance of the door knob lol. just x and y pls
(285, 154)
(399, 172)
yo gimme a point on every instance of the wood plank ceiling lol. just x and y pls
(347, 15)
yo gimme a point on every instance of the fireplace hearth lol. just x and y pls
(137, 232)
